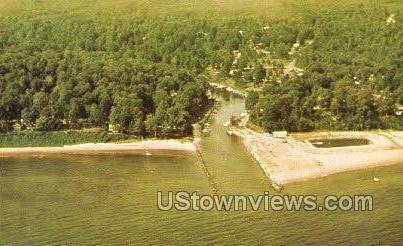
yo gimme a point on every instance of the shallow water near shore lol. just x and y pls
(112, 199)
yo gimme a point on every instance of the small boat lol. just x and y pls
(276, 186)
(148, 153)
(376, 179)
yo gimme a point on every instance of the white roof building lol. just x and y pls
(280, 134)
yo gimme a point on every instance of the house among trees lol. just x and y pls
(399, 109)
(113, 128)
(17, 125)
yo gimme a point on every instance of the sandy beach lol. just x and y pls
(96, 148)
(296, 159)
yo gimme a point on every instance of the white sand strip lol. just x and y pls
(175, 145)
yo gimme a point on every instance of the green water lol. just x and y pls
(111, 199)
(339, 142)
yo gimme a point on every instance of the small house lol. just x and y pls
(17, 127)
(280, 134)
(114, 128)
(399, 109)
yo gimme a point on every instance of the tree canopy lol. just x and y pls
(314, 66)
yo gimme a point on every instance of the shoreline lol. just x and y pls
(99, 148)
(295, 160)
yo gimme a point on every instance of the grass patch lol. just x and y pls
(255, 128)
(57, 138)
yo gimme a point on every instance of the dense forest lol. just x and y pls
(345, 73)
(147, 74)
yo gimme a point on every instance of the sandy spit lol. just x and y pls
(296, 159)
(95, 148)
